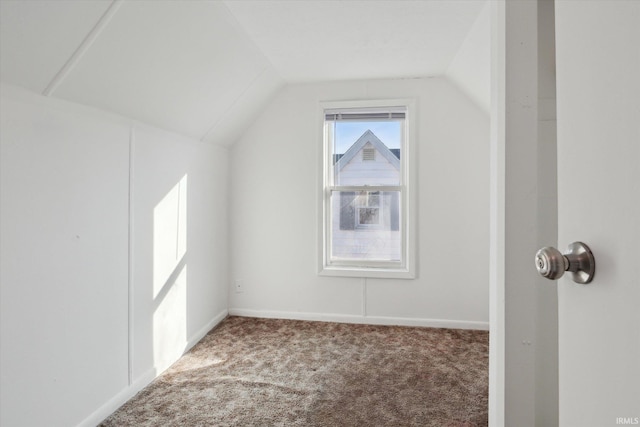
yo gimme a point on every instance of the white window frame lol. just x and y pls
(406, 268)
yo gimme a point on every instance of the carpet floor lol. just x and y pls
(268, 372)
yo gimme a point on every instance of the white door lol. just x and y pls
(598, 99)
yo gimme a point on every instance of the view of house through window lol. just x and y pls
(364, 187)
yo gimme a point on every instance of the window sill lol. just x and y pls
(371, 272)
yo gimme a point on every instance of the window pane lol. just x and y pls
(367, 152)
(365, 225)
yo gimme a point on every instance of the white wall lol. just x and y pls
(180, 255)
(274, 184)
(82, 328)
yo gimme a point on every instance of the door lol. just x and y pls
(598, 99)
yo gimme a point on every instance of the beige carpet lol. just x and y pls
(264, 372)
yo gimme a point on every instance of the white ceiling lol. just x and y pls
(344, 40)
(470, 69)
(38, 37)
(205, 69)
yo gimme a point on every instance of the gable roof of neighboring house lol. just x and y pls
(371, 138)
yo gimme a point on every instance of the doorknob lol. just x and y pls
(578, 259)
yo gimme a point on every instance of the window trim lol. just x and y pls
(408, 197)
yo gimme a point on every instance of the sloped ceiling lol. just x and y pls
(470, 69)
(205, 69)
(344, 40)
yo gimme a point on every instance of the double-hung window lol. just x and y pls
(367, 193)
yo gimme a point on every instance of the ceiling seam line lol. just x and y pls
(83, 47)
(235, 101)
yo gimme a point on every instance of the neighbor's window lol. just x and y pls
(366, 198)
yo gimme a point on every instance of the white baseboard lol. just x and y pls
(119, 399)
(367, 320)
(145, 379)
(205, 329)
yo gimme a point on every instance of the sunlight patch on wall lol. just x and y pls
(170, 276)
(170, 323)
(169, 235)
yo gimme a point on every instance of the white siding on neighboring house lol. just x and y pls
(365, 243)
(379, 171)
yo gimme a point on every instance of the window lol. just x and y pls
(366, 194)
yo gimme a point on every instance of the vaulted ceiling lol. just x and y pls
(205, 69)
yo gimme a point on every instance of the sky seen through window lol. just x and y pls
(348, 132)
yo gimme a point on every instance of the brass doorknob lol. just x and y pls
(578, 260)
